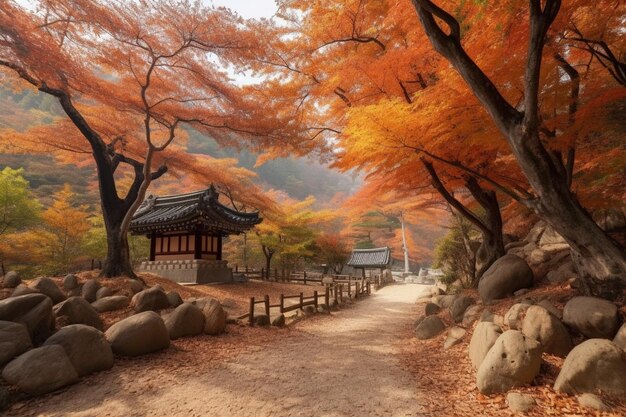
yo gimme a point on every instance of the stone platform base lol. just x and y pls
(196, 271)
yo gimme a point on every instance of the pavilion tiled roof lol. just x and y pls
(200, 209)
(370, 258)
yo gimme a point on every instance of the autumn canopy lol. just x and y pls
(484, 115)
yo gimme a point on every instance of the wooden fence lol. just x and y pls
(334, 290)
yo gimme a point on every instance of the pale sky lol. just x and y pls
(248, 8)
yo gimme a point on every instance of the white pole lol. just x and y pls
(404, 247)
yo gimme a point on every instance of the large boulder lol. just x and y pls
(104, 292)
(14, 340)
(86, 348)
(77, 310)
(620, 337)
(429, 327)
(455, 336)
(507, 275)
(23, 290)
(139, 334)
(595, 364)
(472, 314)
(152, 299)
(446, 301)
(115, 302)
(593, 317)
(562, 273)
(214, 317)
(12, 279)
(551, 308)
(431, 308)
(513, 361)
(90, 290)
(135, 286)
(41, 370)
(70, 282)
(32, 310)
(185, 320)
(48, 287)
(548, 330)
(459, 306)
(174, 299)
(514, 317)
(484, 337)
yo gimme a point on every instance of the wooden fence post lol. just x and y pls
(349, 287)
(282, 303)
(315, 298)
(251, 315)
(356, 289)
(266, 301)
(304, 277)
(335, 292)
(369, 288)
(327, 297)
(301, 299)
(262, 273)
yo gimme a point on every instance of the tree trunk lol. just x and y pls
(118, 260)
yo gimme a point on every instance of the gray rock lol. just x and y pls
(14, 340)
(455, 336)
(75, 292)
(591, 316)
(262, 320)
(620, 337)
(135, 286)
(279, 321)
(486, 315)
(471, 315)
(85, 346)
(5, 396)
(484, 337)
(551, 237)
(90, 290)
(431, 309)
(104, 292)
(77, 310)
(515, 316)
(446, 301)
(174, 299)
(70, 282)
(41, 370)
(595, 364)
(535, 233)
(507, 275)
(12, 279)
(520, 403)
(459, 306)
(32, 310)
(562, 274)
(513, 361)
(429, 327)
(592, 401)
(23, 290)
(48, 287)
(309, 310)
(214, 317)
(551, 308)
(521, 292)
(139, 334)
(115, 302)
(185, 320)
(152, 299)
(542, 326)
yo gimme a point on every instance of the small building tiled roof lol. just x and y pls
(199, 210)
(370, 258)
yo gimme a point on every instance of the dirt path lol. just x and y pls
(341, 366)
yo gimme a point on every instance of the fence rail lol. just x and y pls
(335, 290)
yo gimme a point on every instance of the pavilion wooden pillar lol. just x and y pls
(219, 247)
(152, 246)
(197, 245)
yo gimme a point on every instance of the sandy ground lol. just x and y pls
(345, 365)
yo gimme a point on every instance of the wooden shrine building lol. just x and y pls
(186, 232)
(371, 259)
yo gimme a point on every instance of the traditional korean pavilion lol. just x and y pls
(186, 232)
(376, 258)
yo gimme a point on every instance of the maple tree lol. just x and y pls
(127, 76)
(332, 251)
(366, 54)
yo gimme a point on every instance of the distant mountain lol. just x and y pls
(298, 177)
